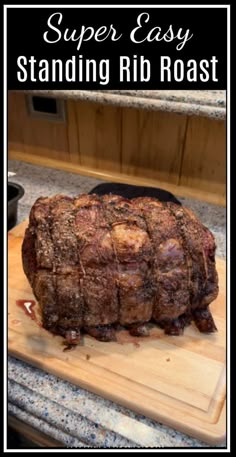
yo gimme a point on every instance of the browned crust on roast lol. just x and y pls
(94, 262)
(169, 263)
(29, 255)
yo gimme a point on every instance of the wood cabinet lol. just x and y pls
(183, 154)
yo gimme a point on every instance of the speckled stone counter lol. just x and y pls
(67, 413)
(207, 103)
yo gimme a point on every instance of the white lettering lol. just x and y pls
(85, 33)
(45, 35)
(32, 61)
(214, 61)
(70, 69)
(124, 69)
(22, 77)
(165, 74)
(43, 73)
(185, 38)
(204, 63)
(178, 70)
(156, 33)
(104, 71)
(192, 72)
(57, 70)
(145, 69)
(138, 69)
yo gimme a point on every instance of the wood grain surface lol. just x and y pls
(33, 135)
(152, 144)
(204, 159)
(169, 150)
(179, 381)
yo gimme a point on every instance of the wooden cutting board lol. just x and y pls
(179, 381)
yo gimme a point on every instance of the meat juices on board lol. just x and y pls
(94, 262)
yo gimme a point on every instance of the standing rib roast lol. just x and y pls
(97, 262)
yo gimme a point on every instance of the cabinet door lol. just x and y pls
(152, 144)
(204, 159)
(98, 128)
(41, 136)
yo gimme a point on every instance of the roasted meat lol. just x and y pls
(97, 262)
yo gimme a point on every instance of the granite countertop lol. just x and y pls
(207, 103)
(70, 414)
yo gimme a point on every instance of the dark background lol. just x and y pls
(25, 28)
